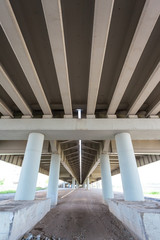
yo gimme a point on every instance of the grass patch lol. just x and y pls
(154, 193)
(7, 191)
(40, 188)
(14, 191)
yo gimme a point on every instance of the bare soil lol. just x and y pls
(81, 215)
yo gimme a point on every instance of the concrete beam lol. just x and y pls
(64, 161)
(12, 91)
(64, 175)
(16, 40)
(94, 166)
(66, 149)
(56, 148)
(106, 146)
(53, 145)
(88, 153)
(87, 157)
(144, 29)
(70, 154)
(85, 129)
(18, 147)
(89, 148)
(4, 109)
(146, 91)
(53, 16)
(65, 165)
(101, 25)
(141, 147)
(154, 110)
(72, 158)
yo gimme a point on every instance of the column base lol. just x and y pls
(18, 217)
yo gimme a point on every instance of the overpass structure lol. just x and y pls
(99, 57)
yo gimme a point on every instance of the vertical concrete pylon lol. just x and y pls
(88, 183)
(128, 168)
(30, 166)
(84, 184)
(73, 183)
(106, 177)
(52, 191)
(77, 184)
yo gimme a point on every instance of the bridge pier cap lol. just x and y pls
(30, 166)
(128, 168)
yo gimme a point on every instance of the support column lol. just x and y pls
(77, 185)
(84, 184)
(52, 191)
(73, 183)
(106, 177)
(88, 183)
(63, 184)
(29, 173)
(130, 178)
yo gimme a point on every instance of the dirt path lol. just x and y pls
(82, 215)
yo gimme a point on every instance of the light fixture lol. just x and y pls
(80, 149)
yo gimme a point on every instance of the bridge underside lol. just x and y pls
(146, 151)
(80, 91)
(102, 57)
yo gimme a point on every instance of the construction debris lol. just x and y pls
(30, 236)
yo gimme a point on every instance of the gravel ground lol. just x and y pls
(81, 215)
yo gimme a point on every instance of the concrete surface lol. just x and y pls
(84, 129)
(29, 172)
(18, 217)
(107, 188)
(52, 190)
(141, 218)
(129, 172)
(82, 215)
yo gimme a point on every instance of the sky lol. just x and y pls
(149, 177)
(10, 173)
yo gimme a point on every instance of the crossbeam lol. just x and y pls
(73, 129)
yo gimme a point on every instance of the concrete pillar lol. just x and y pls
(77, 185)
(88, 183)
(106, 177)
(84, 184)
(29, 173)
(63, 184)
(52, 191)
(130, 178)
(73, 183)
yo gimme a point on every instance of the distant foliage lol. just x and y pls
(155, 193)
(1, 181)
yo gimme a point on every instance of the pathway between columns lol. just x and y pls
(81, 215)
